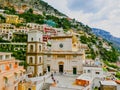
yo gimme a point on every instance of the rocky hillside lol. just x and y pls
(106, 35)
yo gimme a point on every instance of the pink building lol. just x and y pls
(10, 72)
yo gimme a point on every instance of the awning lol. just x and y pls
(117, 81)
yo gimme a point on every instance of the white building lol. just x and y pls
(93, 69)
(34, 54)
(7, 30)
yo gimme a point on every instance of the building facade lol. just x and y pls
(108, 85)
(13, 19)
(61, 56)
(93, 69)
(10, 72)
(34, 55)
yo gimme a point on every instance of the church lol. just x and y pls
(62, 55)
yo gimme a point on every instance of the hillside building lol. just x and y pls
(10, 72)
(93, 69)
(7, 30)
(13, 19)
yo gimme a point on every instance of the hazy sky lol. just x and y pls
(103, 14)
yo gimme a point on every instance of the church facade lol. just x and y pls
(63, 55)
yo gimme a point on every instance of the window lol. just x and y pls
(31, 60)
(6, 80)
(10, 65)
(7, 56)
(31, 48)
(39, 59)
(0, 57)
(31, 39)
(2, 67)
(89, 71)
(61, 45)
(39, 39)
(39, 47)
(97, 72)
(15, 75)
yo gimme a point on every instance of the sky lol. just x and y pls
(102, 14)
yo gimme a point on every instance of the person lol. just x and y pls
(52, 75)
(57, 81)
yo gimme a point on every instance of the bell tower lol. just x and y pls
(34, 55)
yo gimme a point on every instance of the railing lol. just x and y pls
(38, 80)
(93, 65)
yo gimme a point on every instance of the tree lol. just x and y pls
(30, 11)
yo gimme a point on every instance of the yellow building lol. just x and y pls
(13, 19)
(26, 86)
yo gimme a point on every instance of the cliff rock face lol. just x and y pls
(106, 35)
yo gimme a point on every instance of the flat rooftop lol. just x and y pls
(111, 83)
(85, 77)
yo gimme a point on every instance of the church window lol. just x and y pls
(39, 47)
(31, 60)
(31, 48)
(31, 39)
(39, 59)
(61, 45)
